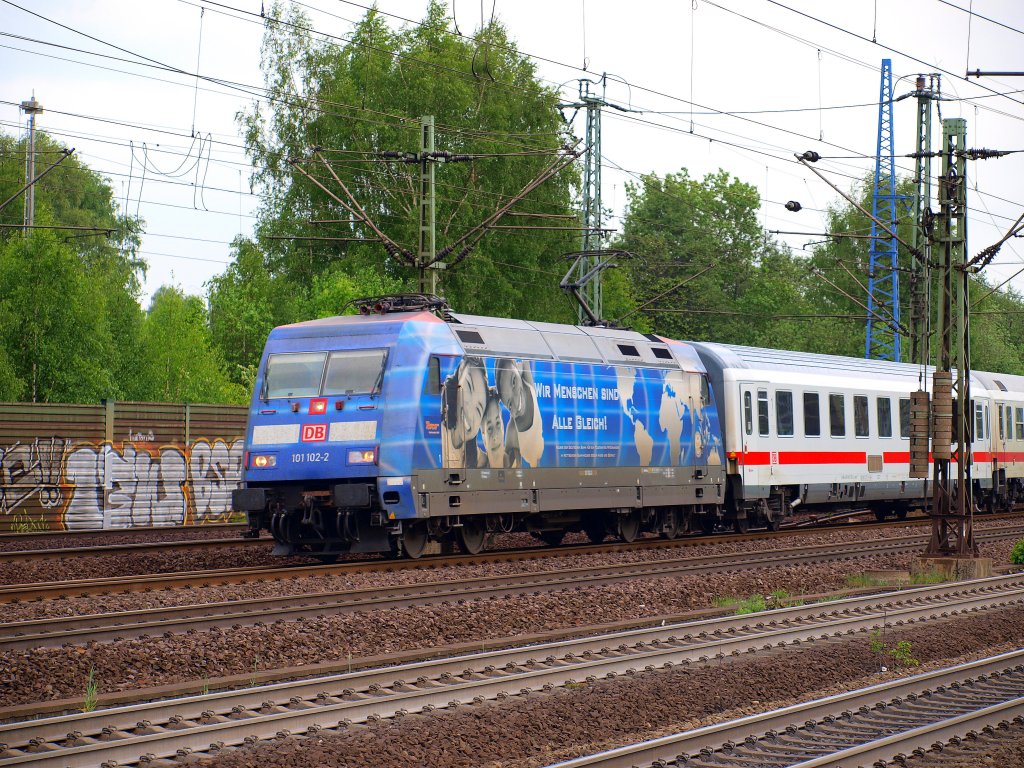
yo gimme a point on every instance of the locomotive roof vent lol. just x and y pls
(1000, 384)
(629, 349)
(469, 337)
(661, 352)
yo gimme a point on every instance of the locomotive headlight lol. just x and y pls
(264, 461)
(363, 456)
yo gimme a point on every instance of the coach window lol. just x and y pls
(883, 408)
(1002, 429)
(784, 413)
(812, 415)
(979, 422)
(905, 418)
(1009, 423)
(748, 413)
(762, 412)
(1020, 424)
(837, 415)
(860, 415)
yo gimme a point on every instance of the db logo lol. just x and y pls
(314, 433)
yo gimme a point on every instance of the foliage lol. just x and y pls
(752, 604)
(54, 322)
(1017, 553)
(92, 689)
(707, 271)
(901, 652)
(178, 355)
(365, 97)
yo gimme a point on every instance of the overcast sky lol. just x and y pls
(790, 76)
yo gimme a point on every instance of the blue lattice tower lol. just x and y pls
(883, 341)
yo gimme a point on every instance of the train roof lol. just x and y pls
(730, 356)
(332, 326)
(572, 343)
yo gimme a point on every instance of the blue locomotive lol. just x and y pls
(408, 427)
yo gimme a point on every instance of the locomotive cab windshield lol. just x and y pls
(322, 374)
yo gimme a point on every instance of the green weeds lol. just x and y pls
(92, 691)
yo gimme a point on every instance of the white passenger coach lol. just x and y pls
(833, 433)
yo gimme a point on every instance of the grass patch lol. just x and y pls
(927, 577)
(724, 601)
(861, 580)
(92, 691)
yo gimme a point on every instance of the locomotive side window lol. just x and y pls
(1020, 423)
(812, 415)
(295, 374)
(884, 408)
(837, 415)
(355, 372)
(432, 386)
(860, 415)
(762, 412)
(784, 413)
(705, 390)
(905, 418)
(748, 413)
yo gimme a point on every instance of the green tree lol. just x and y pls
(705, 269)
(102, 265)
(54, 326)
(180, 362)
(363, 98)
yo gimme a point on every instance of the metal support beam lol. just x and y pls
(927, 90)
(952, 510)
(427, 248)
(592, 293)
(882, 341)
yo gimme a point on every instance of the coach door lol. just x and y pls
(756, 429)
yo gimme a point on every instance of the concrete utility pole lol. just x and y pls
(31, 108)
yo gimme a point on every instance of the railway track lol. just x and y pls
(106, 550)
(225, 576)
(57, 631)
(160, 730)
(869, 726)
(155, 547)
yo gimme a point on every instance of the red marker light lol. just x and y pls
(318, 405)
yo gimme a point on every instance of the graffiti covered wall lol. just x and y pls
(66, 476)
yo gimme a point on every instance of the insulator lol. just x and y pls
(793, 206)
(810, 156)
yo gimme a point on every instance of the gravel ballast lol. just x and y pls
(540, 729)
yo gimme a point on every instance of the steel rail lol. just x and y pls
(56, 631)
(106, 550)
(729, 737)
(164, 728)
(92, 533)
(222, 577)
(808, 527)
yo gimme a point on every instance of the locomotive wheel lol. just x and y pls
(414, 540)
(552, 538)
(472, 535)
(669, 523)
(707, 524)
(595, 528)
(773, 524)
(741, 524)
(901, 513)
(629, 526)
